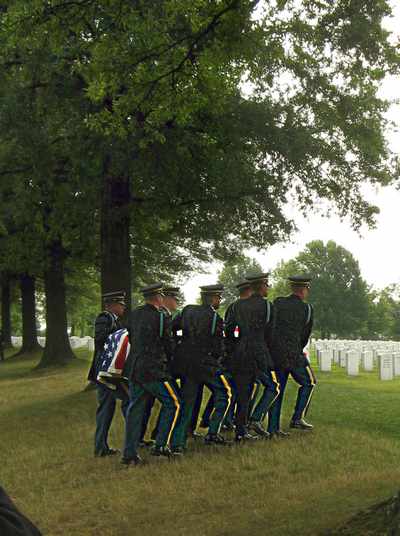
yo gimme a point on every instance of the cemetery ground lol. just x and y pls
(309, 484)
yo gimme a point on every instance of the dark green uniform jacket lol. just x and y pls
(105, 324)
(199, 354)
(293, 325)
(150, 338)
(12, 522)
(250, 352)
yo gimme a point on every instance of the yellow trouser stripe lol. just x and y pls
(178, 407)
(278, 386)
(253, 393)
(311, 376)
(229, 391)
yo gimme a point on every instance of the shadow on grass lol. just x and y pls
(54, 408)
(26, 366)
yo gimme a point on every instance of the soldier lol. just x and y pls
(106, 323)
(149, 376)
(199, 361)
(244, 289)
(293, 325)
(170, 308)
(251, 358)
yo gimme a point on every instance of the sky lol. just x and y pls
(377, 250)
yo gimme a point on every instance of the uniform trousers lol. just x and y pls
(196, 407)
(305, 377)
(230, 417)
(244, 387)
(167, 393)
(194, 419)
(221, 389)
(146, 417)
(107, 400)
(269, 381)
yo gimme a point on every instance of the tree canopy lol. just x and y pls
(155, 135)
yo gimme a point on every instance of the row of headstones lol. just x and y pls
(352, 355)
(76, 342)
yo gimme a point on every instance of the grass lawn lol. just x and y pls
(305, 485)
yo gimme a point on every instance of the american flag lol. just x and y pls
(113, 358)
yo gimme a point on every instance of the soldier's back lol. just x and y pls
(290, 320)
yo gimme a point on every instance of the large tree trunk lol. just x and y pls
(57, 349)
(115, 244)
(6, 311)
(29, 330)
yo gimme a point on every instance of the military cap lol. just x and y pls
(212, 290)
(259, 277)
(118, 296)
(152, 290)
(171, 291)
(243, 284)
(300, 281)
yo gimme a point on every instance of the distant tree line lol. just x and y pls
(346, 306)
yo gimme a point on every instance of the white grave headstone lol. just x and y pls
(325, 361)
(353, 363)
(386, 366)
(367, 359)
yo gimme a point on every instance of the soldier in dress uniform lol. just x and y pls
(198, 361)
(251, 359)
(170, 308)
(293, 325)
(244, 290)
(106, 323)
(149, 376)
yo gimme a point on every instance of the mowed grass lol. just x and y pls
(308, 484)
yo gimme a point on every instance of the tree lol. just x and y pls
(338, 293)
(139, 113)
(384, 314)
(6, 309)
(234, 271)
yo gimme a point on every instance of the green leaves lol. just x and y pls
(159, 89)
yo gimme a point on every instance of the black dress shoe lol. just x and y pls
(243, 438)
(108, 452)
(279, 434)
(136, 460)
(177, 451)
(161, 452)
(229, 427)
(196, 435)
(258, 429)
(301, 424)
(216, 439)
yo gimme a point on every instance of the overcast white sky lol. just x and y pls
(377, 250)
